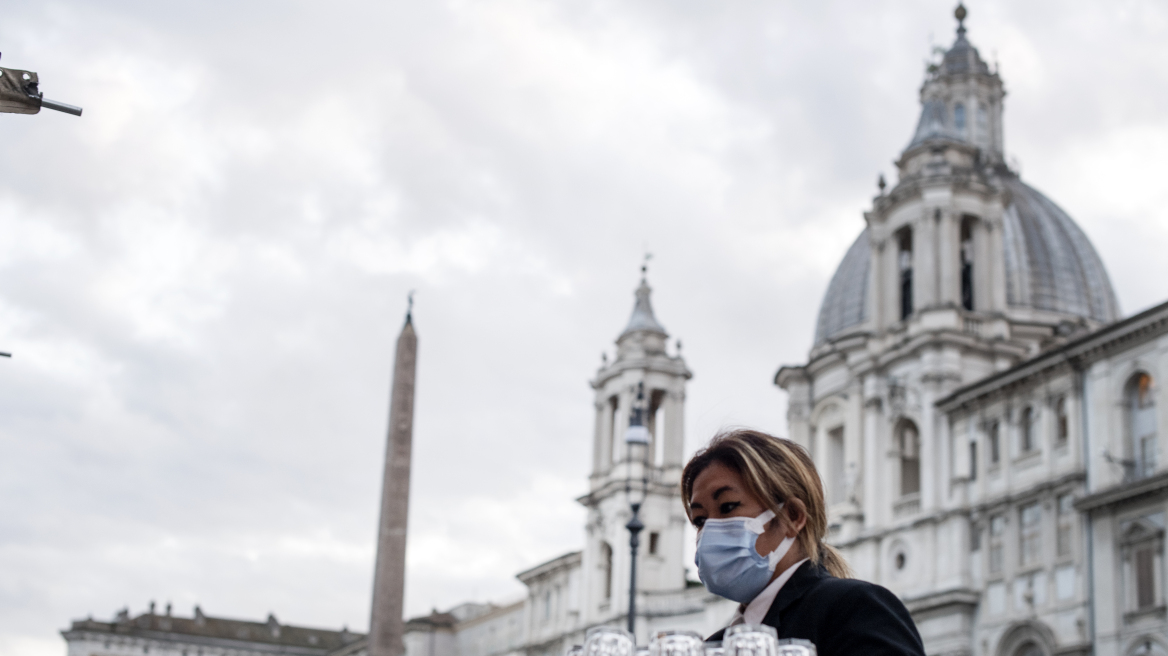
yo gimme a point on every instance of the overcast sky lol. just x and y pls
(201, 279)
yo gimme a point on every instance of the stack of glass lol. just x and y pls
(739, 640)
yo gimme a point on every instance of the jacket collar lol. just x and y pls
(808, 574)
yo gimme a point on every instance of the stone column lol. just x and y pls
(874, 455)
(386, 626)
(601, 455)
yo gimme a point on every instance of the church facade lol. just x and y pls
(987, 428)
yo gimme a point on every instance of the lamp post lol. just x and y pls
(20, 94)
(636, 435)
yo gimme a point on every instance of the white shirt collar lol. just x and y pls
(757, 609)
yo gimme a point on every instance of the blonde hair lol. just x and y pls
(775, 471)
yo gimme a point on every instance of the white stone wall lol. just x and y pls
(498, 633)
(439, 642)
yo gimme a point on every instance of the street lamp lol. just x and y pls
(636, 435)
(20, 94)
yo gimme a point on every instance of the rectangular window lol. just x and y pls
(1027, 430)
(606, 568)
(995, 444)
(1062, 428)
(996, 598)
(653, 537)
(1030, 534)
(967, 262)
(616, 431)
(997, 532)
(1145, 562)
(1064, 582)
(1066, 524)
(904, 262)
(910, 458)
(1141, 427)
(973, 461)
(1143, 548)
(1146, 456)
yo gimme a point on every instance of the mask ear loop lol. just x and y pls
(775, 556)
(758, 524)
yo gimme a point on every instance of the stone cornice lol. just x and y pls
(665, 364)
(617, 486)
(789, 373)
(1076, 354)
(1135, 490)
(944, 601)
(559, 563)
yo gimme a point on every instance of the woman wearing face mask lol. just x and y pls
(757, 503)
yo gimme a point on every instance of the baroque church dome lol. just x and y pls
(1050, 266)
(1049, 263)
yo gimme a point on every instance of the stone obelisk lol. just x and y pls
(386, 626)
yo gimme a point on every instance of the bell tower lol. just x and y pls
(637, 452)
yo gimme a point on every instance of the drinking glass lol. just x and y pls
(677, 643)
(609, 641)
(797, 647)
(750, 640)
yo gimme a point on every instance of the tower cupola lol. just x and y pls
(644, 334)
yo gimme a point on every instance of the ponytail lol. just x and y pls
(833, 561)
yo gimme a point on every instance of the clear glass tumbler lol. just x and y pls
(797, 647)
(750, 640)
(609, 641)
(677, 643)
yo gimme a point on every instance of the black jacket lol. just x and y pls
(843, 617)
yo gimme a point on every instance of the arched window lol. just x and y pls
(904, 262)
(1141, 427)
(908, 443)
(959, 118)
(967, 262)
(606, 568)
(1029, 649)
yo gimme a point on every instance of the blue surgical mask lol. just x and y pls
(728, 563)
